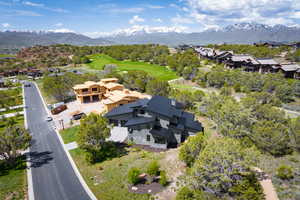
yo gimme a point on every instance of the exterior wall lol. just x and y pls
(140, 137)
(164, 123)
(177, 135)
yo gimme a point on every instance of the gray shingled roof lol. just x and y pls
(163, 106)
(244, 58)
(139, 120)
(267, 61)
(290, 67)
(157, 105)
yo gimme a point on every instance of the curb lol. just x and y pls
(29, 173)
(82, 181)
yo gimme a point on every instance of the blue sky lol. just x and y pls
(100, 17)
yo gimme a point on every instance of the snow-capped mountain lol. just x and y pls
(140, 30)
(236, 33)
(243, 33)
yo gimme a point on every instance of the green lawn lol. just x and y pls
(108, 180)
(11, 111)
(19, 120)
(163, 73)
(6, 55)
(182, 86)
(69, 135)
(12, 97)
(13, 182)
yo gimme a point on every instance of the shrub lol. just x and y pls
(153, 168)
(285, 172)
(248, 188)
(237, 87)
(190, 150)
(185, 194)
(163, 178)
(133, 175)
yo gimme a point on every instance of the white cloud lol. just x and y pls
(59, 24)
(13, 13)
(155, 6)
(219, 12)
(159, 20)
(135, 19)
(42, 6)
(181, 20)
(6, 25)
(62, 30)
(137, 29)
(295, 15)
(126, 10)
(29, 3)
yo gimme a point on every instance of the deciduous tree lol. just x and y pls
(13, 140)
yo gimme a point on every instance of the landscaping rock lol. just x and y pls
(134, 188)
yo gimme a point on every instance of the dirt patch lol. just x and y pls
(152, 188)
(148, 148)
(174, 168)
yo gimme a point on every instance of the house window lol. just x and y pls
(85, 90)
(148, 138)
(159, 140)
(94, 89)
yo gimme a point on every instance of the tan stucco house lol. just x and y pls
(109, 90)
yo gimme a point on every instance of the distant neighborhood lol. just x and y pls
(249, 63)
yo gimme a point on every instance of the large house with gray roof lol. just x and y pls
(158, 122)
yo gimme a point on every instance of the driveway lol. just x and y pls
(73, 106)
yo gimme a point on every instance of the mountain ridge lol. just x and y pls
(242, 33)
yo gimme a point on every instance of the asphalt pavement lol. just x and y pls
(52, 174)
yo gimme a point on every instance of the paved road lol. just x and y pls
(52, 174)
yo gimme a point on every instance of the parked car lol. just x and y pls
(49, 119)
(27, 85)
(58, 109)
(77, 115)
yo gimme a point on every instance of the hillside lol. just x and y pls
(13, 39)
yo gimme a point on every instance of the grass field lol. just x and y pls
(6, 55)
(12, 97)
(11, 111)
(163, 73)
(182, 87)
(19, 120)
(13, 182)
(108, 179)
(69, 135)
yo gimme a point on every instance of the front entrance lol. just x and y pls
(86, 99)
(95, 98)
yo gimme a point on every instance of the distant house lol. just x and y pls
(268, 65)
(290, 70)
(2, 83)
(159, 122)
(246, 62)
